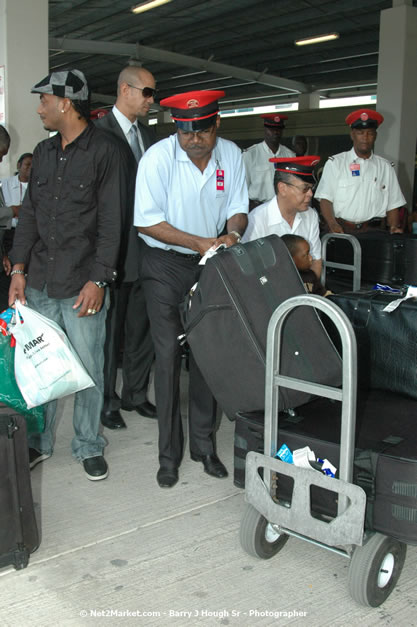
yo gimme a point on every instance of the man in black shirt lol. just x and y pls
(67, 241)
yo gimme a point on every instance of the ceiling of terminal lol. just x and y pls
(245, 47)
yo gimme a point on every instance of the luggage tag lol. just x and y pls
(355, 168)
(211, 251)
(411, 293)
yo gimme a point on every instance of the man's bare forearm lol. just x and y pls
(326, 208)
(237, 223)
(168, 234)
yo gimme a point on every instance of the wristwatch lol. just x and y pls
(100, 283)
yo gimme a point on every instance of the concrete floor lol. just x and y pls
(123, 551)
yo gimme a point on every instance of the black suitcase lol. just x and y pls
(385, 457)
(18, 529)
(226, 321)
(387, 352)
(387, 259)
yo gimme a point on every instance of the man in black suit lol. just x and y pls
(127, 315)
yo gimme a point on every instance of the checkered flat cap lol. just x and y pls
(70, 84)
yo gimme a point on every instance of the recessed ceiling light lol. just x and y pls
(147, 6)
(316, 40)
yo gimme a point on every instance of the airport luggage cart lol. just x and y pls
(376, 560)
(355, 267)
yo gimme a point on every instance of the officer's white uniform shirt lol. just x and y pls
(170, 188)
(266, 220)
(13, 193)
(360, 197)
(260, 171)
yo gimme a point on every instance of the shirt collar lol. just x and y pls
(355, 157)
(124, 122)
(82, 141)
(269, 151)
(181, 155)
(275, 215)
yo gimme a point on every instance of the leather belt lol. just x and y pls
(360, 225)
(196, 256)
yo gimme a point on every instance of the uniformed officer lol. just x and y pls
(358, 188)
(189, 188)
(289, 211)
(259, 173)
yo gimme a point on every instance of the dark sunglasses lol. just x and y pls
(147, 92)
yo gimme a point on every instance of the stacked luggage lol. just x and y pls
(387, 259)
(226, 322)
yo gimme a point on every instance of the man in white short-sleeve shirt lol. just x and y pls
(358, 188)
(289, 211)
(190, 188)
(258, 169)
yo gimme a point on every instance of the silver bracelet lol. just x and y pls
(238, 235)
(17, 272)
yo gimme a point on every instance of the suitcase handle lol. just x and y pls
(359, 321)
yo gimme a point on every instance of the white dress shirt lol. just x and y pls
(266, 220)
(126, 124)
(260, 171)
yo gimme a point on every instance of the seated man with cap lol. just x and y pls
(358, 189)
(190, 187)
(259, 174)
(289, 212)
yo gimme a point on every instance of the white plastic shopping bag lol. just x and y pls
(46, 365)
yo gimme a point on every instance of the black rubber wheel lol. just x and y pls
(257, 537)
(375, 569)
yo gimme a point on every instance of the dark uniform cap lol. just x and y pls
(194, 110)
(275, 120)
(364, 118)
(70, 84)
(303, 167)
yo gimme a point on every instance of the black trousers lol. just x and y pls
(166, 280)
(128, 318)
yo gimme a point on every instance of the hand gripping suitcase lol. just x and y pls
(385, 461)
(226, 320)
(387, 352)
(18, 529)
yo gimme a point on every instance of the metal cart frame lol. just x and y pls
(355, 267)
(376, 560)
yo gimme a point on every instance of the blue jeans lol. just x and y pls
(87, 336)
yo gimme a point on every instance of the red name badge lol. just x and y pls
(355, 168)
(220, 180)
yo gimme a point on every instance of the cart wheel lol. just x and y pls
(375, 569)
(257, 537)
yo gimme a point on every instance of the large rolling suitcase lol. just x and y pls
(18, 529)
(385, 463)
(387, 352)
(226, 319)
(387, 259)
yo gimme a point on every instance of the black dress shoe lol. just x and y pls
(96, 468)
(144, 409)
(112, 419)
(167, 477)
(212, 465)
